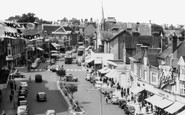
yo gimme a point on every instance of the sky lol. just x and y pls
(158, 11)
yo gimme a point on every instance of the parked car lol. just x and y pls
(23, 92)
(38, 78)
(88, 75)
(52, 61)
(22, 110)
(22, 102)
(122, 103)
(50, 112)
(70, 78)
(98, 84)
(129, 109)
(115, 100)
(41, 96)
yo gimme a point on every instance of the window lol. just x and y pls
(182, 88)
(154, 77)
(182, 71)
(144, 75)
(135, 69)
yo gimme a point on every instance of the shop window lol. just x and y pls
(182, 88)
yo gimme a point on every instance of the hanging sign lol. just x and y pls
(20, 25)
(18, 35)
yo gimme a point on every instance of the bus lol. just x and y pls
(68, 57)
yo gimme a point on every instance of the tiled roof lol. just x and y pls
(138, 56)
(166, 52)
(90, 29)
(50, 28)
(67, 28)
(152, 56)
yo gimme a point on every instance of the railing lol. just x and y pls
(72, 106)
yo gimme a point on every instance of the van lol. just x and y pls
(38, 78)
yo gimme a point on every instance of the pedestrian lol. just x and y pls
(122, 93)
(12, 91)
(106, 99)
(30, 78)
(10, 97)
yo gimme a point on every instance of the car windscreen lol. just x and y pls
(42, 95)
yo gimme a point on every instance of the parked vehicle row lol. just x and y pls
(22, 103)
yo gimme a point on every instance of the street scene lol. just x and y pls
(92, 58)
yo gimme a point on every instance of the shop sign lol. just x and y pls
(19, 35)
(10, 57)
(20, 25)
(166, 80)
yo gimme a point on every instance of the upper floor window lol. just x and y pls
(154, 78)
(182, 88)
(182, 71)
(145, 61)
(144, 75)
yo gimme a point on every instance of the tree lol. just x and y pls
(29, 17)
(157, 28)
(71, 88)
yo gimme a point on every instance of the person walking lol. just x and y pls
(122, 93)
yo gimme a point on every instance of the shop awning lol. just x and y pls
(174, 107)
(182, 113)
(112, 63)
(97, 61)
(53, 51)
(102, 69)
(109, 75)
(89, 60)
(159, 101)
(136, 90)
(40, 49)
(106, 71)
(55, 54)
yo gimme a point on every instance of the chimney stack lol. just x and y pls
(174, 43)
(138, 48)
(143, 49)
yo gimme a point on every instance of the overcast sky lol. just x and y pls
(158, 11)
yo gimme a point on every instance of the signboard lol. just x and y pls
(8, 58)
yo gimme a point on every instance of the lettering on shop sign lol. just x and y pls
(18, 35)
(166, 80)
(20, 25)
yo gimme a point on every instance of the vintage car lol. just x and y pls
(41, 96)
(22, 110)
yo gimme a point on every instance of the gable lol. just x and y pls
(181, 61)
(60, 29)
(89, 30)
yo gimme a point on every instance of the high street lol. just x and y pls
(54, 98)
(90, 101)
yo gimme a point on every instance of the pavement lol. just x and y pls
(8, 106)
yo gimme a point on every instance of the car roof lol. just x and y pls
(41, 93)
(22, 107)
(51, 111)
